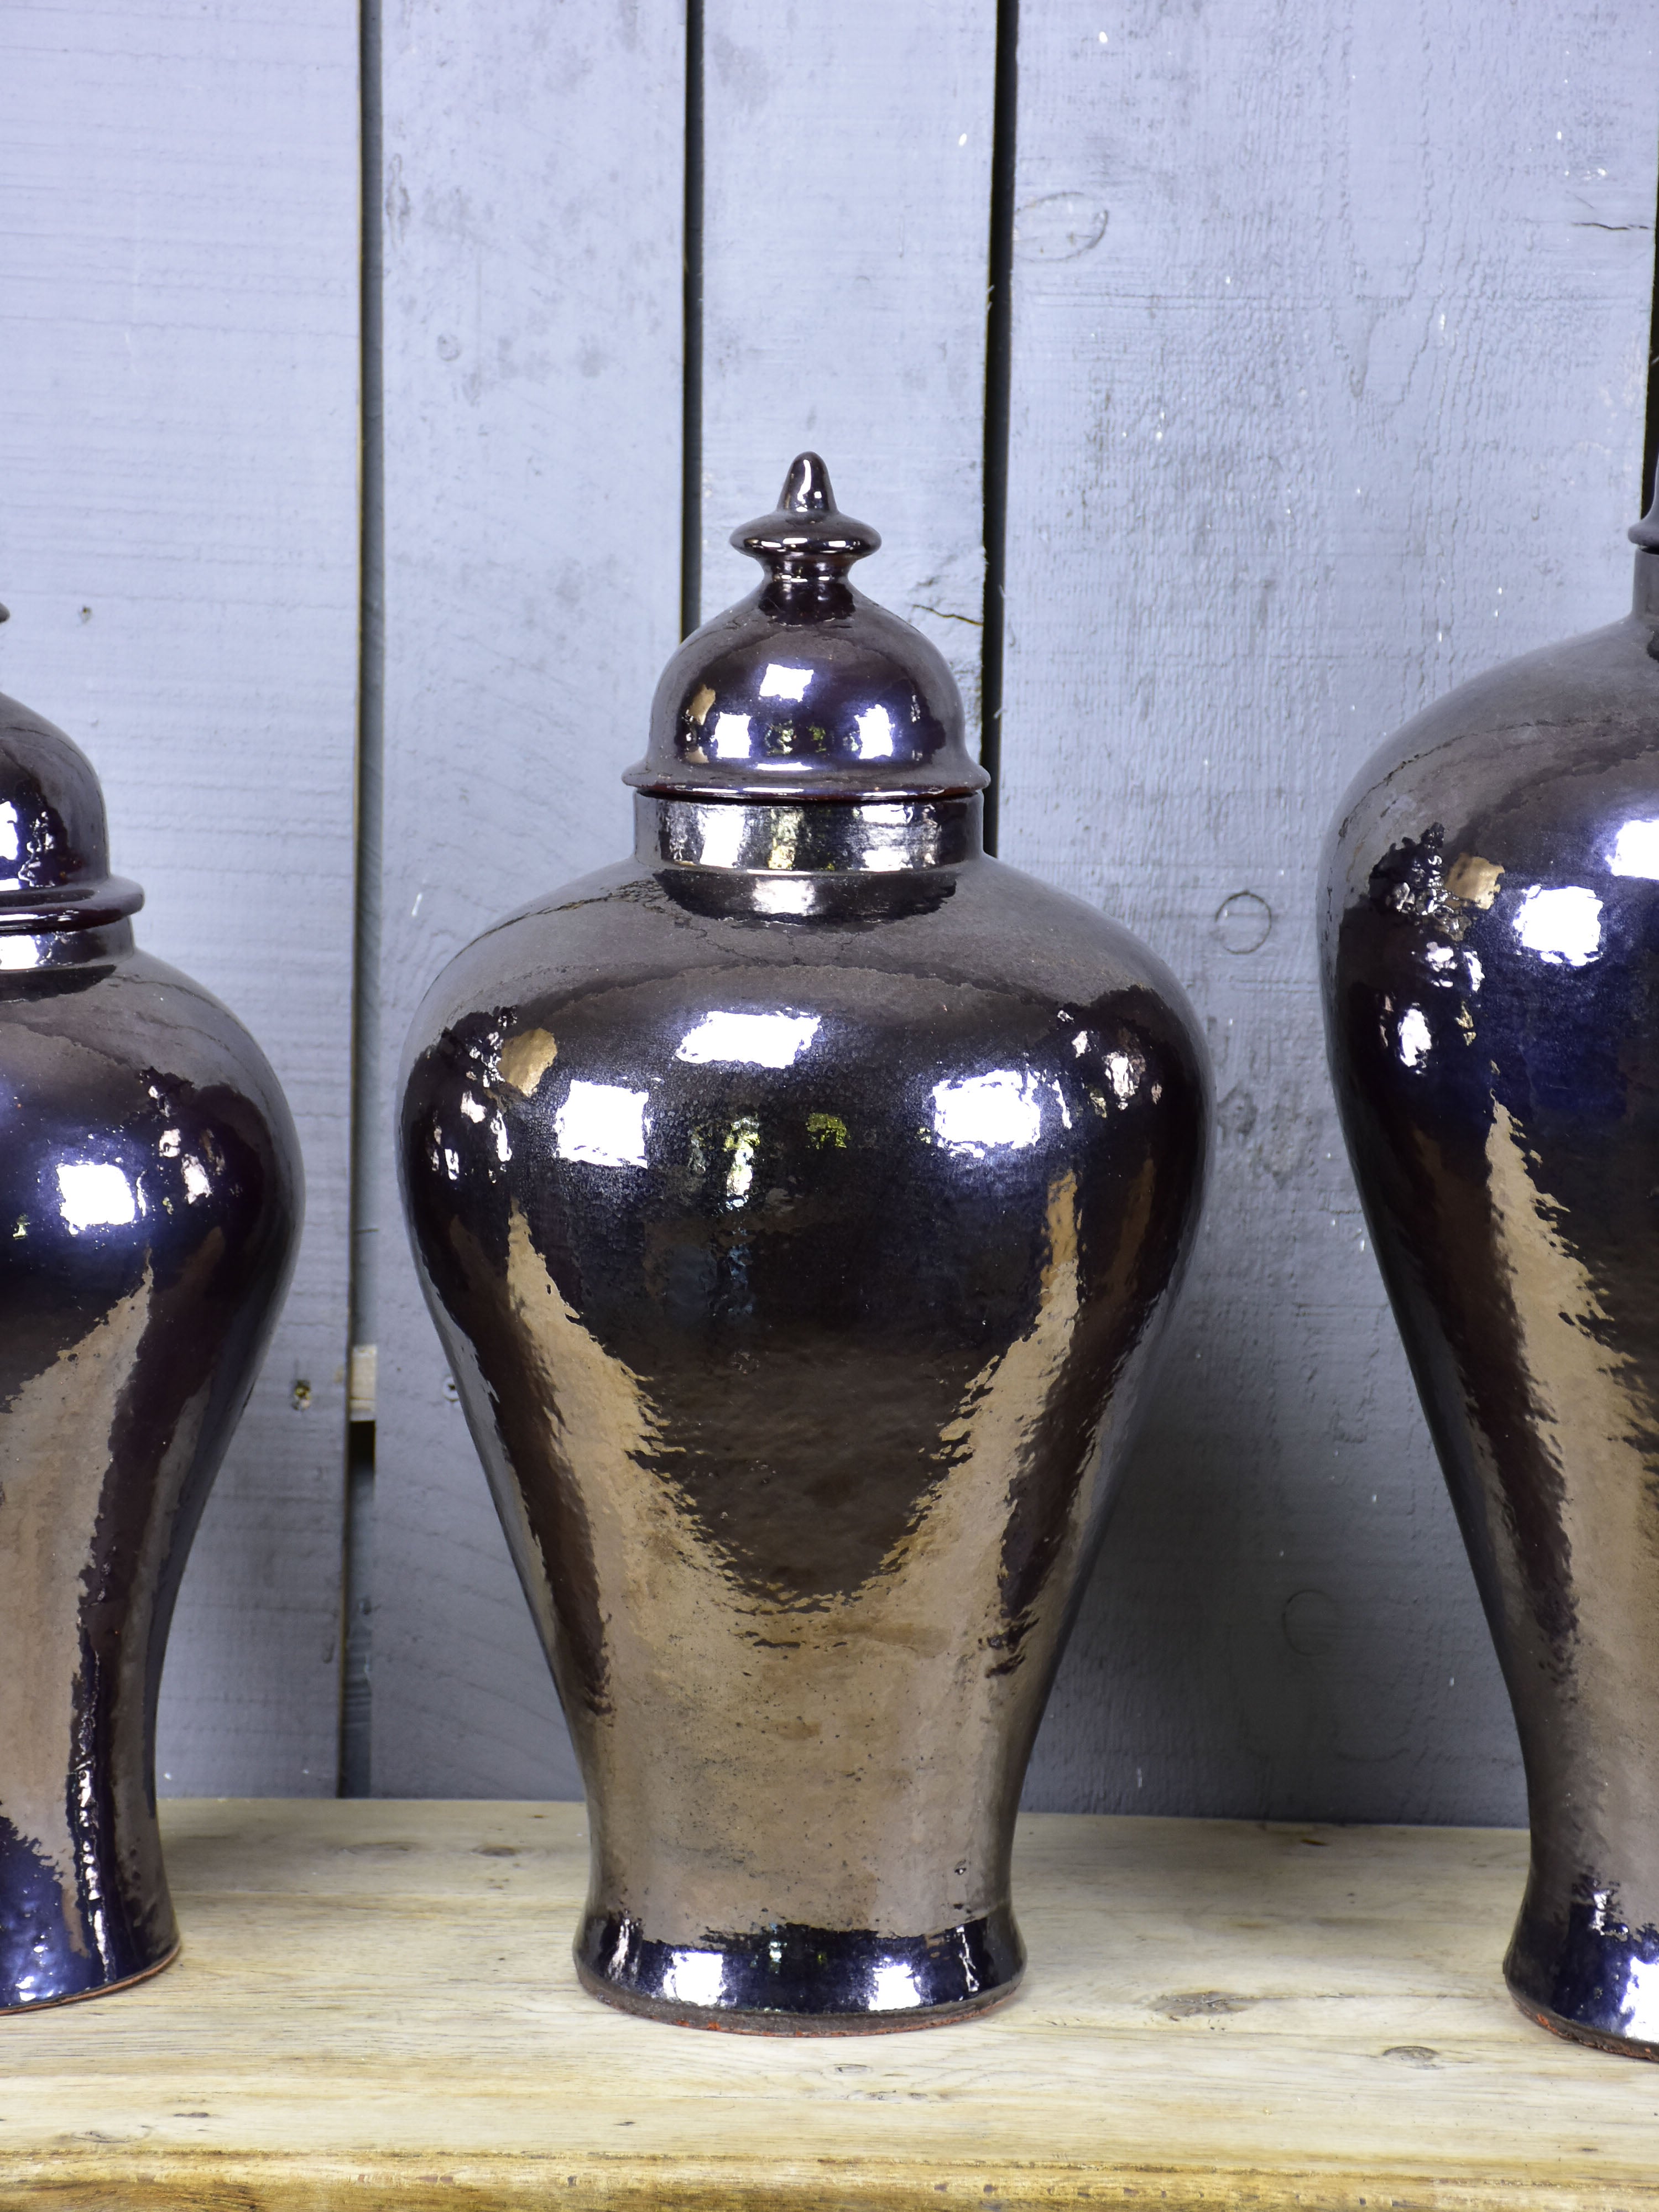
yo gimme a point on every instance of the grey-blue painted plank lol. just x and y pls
(178, 544)
(1329, 341)
(532, 205)
(847, 215)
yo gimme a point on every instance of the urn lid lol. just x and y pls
(806, 689)
(54, 842)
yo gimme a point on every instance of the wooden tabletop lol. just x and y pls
(376, 2006)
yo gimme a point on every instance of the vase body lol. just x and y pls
(1490, 950)
(149, 1190)
(798, 1201)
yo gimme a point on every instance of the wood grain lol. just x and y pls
(533, 196)
(179, 545)
(376, 2006)
(1329, 373)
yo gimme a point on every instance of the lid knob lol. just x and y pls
(806, 535)
(806, 689)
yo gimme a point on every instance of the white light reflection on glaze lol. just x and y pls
(745, 1141)
(11, 838)
(1123, 1072)
(978, 1113)
(198, 1182)
(1640, 1997)
(779, 683)
(1636, 851)
(723, 829)
(96, 1194)
(1564, 927)
(696, 1978)
(730, 1040)
(730, 739)
(783, 895)
(875, 734)
(1415, 1038)
(893, 1987)
(602, 1124)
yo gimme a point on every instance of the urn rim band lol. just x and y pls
(802, 837)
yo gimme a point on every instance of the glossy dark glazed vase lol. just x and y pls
(149, 1195)
(1491, 947)
(799, 1200)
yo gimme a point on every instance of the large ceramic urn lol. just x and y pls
(1491, 943)
(799, 1201)
(149, 1196)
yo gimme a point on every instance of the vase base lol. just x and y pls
(792, 1980)
(1585, 1973)
(1594, 2039)
(100, 1990)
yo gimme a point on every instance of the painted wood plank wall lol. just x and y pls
(1321, 335)
(1330, 345)
(1253, 477)
(178, 365)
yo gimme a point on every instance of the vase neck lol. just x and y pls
(816, 837)
(1644, 599)
(23, 952)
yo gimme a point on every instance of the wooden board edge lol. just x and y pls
(112, 2177)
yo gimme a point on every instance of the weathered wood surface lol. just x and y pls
(532, 199)
(1329, 341)
(179, 546)
(376, 2006)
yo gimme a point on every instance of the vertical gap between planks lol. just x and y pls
(1651, 442)
(691, 334)
(999, 359)
(353, 1778)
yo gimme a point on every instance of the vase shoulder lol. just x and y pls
(1542, 755)
(985, 924)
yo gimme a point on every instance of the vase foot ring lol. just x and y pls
(790, 1979)
(103, 1989)
(730, 2020)
(1594, 2039)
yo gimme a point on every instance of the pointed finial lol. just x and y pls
(807, 489)
(806, 537)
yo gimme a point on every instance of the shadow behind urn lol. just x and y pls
(1491, 948)
(149, 1201)
(798, 1202)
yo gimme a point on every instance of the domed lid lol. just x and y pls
(807, 689)
(54, 844)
